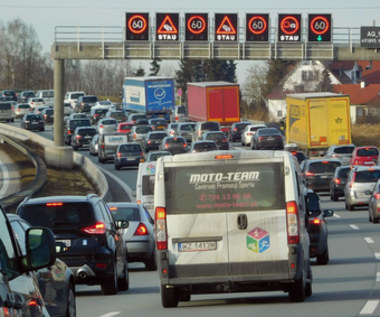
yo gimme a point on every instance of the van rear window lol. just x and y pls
(5, 106)
(224, 187)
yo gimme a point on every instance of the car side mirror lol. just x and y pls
(328, 213)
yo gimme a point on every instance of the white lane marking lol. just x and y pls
(336, 216)
(355, 227)
(110, 314)
(369, 307)
(377, 256)
(5, 182)
(378, 277)
(369, 240)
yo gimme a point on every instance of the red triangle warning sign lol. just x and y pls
(167, 26)
(226, 27)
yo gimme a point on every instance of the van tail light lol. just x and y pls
(98, 228)
(141, 230)
(309, 174)
(160, 229)
(292, 222)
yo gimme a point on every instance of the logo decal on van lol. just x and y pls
(151, 169)
(258, 240)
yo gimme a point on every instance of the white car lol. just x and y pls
(249, 132)
(72, 96)
(104, 104)
(107, 126)
(21, 109)
(36, 102)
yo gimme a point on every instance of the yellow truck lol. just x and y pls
(315, 121)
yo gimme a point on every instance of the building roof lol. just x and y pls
(359, 95)
(370, 71)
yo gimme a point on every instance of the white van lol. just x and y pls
(7, 111)
(47, 96)
(145, 185)
(231, 221)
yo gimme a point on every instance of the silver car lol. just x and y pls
(139, 235)
(139, 132)
(341, 152)
(359, 185)
(107, 126)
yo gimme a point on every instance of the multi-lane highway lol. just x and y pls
(348, 286)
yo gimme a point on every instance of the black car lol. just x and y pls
(19, 291)
(128, 154)
(89, 240)
(317, 173)
(338, 182)
(8, 95)
(153, 140)
(82, 137)
(56, 283)
(236, 130)
(174, 144)
(47, 115)
(268, 139)
(96, 114)
(218, 137)
(84, 103)
(203, 146)
(155, 155)
(71, 125)
(32, 121)
(118, 115)
(158, 124)
(317, 228)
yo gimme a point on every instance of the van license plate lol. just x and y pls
(196, 246)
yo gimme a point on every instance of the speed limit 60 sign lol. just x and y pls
(196, 26)
(137, 26)
(257, 28)
(319, 28)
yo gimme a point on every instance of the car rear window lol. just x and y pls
(110, 121)
(367, 152)
(323, 167)
(210, 126)
(206, 145)
(186, 127)
(157, 136)
(130, 148)
(79, 123)
(143, 129)
(215, 136)
(87, 131)
(343, 172)
(175, 141)
(25, 106)
(224, 187)
(58, 215)
(367, 176)
(90, 99)
(344, 150)
(125, 213)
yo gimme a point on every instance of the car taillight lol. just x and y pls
(176, 118)
(58, 204)
(292, 222)
(185, 145)
(235, 129)
(309, 173)
(261, 138)
(98, 228)
(101, 126)
(149, 142)
(224, 140)
(78, 137)
(96, 115)
(337, 181)
(134, 136)
(118, 154)
(352, 179)
(315, 221)
(377, 196)
(166, 146)
(160, 229)
(141, 230)
(68, 132)
(249, 133)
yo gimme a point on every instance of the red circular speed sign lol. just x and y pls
(196, 24)
(319, 25)
(257, 25)
(137, 24)
(289, 25)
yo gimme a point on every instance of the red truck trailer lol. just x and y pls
(214, 101)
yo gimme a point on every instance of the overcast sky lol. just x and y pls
(45, 15)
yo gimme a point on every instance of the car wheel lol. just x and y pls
(109, 286)
(150, 264)
(123, 282)
(350, 207)
(117, 166)
(309, 282)
(333, 196)
(323, 258)
(297, 290)
(169, 296)
(70, 303)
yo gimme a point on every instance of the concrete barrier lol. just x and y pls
(59, 157)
